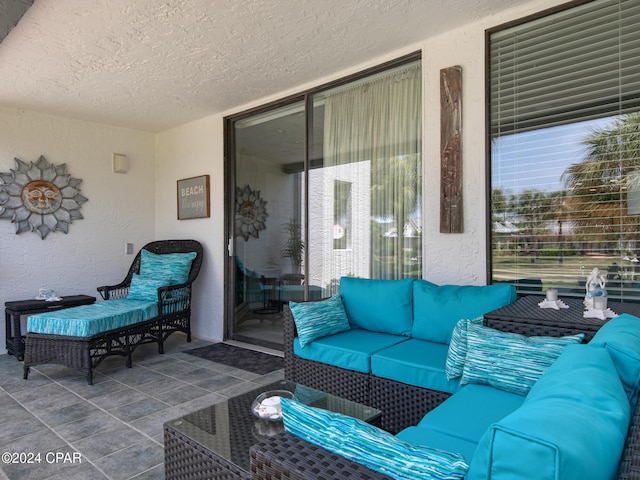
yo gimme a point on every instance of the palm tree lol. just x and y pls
(597, 187)
(395, 183)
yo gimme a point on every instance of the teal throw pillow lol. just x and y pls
(319, 319)
(510, 361)
(457, 353)
(142, 288)
(369, 446)
(168, 265)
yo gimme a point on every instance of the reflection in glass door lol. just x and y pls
(268, 246)
(326, 187)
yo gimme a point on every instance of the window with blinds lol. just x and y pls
(564, 133)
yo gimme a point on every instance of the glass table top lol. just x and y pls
(229, 428)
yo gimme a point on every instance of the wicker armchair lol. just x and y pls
(85, 353)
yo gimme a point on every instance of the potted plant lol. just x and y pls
(293, 246)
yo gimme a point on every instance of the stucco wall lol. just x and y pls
(448, 258)
(120, 208)
(188, 151)
(141, 205)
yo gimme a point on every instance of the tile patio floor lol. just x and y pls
(114, 427)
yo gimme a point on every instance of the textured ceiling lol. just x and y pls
(156, 64)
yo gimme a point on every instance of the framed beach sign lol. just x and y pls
(193, 197)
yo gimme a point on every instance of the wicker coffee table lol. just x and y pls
(524, 316)
(214, 443)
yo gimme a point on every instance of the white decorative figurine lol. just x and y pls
(594, 288)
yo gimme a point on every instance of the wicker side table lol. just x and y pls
(524, 316)
(15, 309)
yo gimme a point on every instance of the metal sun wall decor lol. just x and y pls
(251, 213)
(40, 197)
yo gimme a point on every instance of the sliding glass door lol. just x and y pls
(323, 186)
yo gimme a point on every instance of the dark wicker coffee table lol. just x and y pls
(214, 443)
(526, 317)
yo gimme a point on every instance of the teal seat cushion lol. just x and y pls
(384, 306)
(437, 309)
(318, 319)
(510, 361)
(142, 288)
(621, 338)
(471, 411)
(415, 362)
(573, 424)
(174, 266)
(350, 350)
(435, 439)
(365, 444)
(89, 320)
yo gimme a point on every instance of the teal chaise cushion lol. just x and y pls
(89, 320)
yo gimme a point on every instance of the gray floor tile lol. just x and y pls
(115, 426)
(108, 442)
(113, 400)
(132, 461)
(69, 413)
(141, 408)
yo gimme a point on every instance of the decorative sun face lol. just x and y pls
(251, 213)
(40, 197)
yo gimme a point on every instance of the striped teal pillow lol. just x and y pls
(365, 444)
(458, 348)
(142, 288)
(168, 265)
(510, 361)
(318, 319)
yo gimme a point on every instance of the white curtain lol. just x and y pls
(372, 140)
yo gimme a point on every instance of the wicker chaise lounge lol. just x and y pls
(84, 353)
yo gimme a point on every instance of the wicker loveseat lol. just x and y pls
(120, 323)
(395, 322)
(580, 419)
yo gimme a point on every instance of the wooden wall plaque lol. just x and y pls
(451, 218)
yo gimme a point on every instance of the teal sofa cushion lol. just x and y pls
(470, 412)
(510, 361)
(415, 362)
(384, 306)
(318, 319)
(89, 320)
(437, 309)
(457, 354)
(350, 350)
(365, 444)
(621, 337)
(174, 266)
(573, 424)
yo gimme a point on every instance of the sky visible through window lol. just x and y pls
(537, 159)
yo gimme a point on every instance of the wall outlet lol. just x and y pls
(128, 248)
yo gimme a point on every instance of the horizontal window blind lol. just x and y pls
(564, 97)
(579, 63)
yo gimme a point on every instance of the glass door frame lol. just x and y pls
(230, 171)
